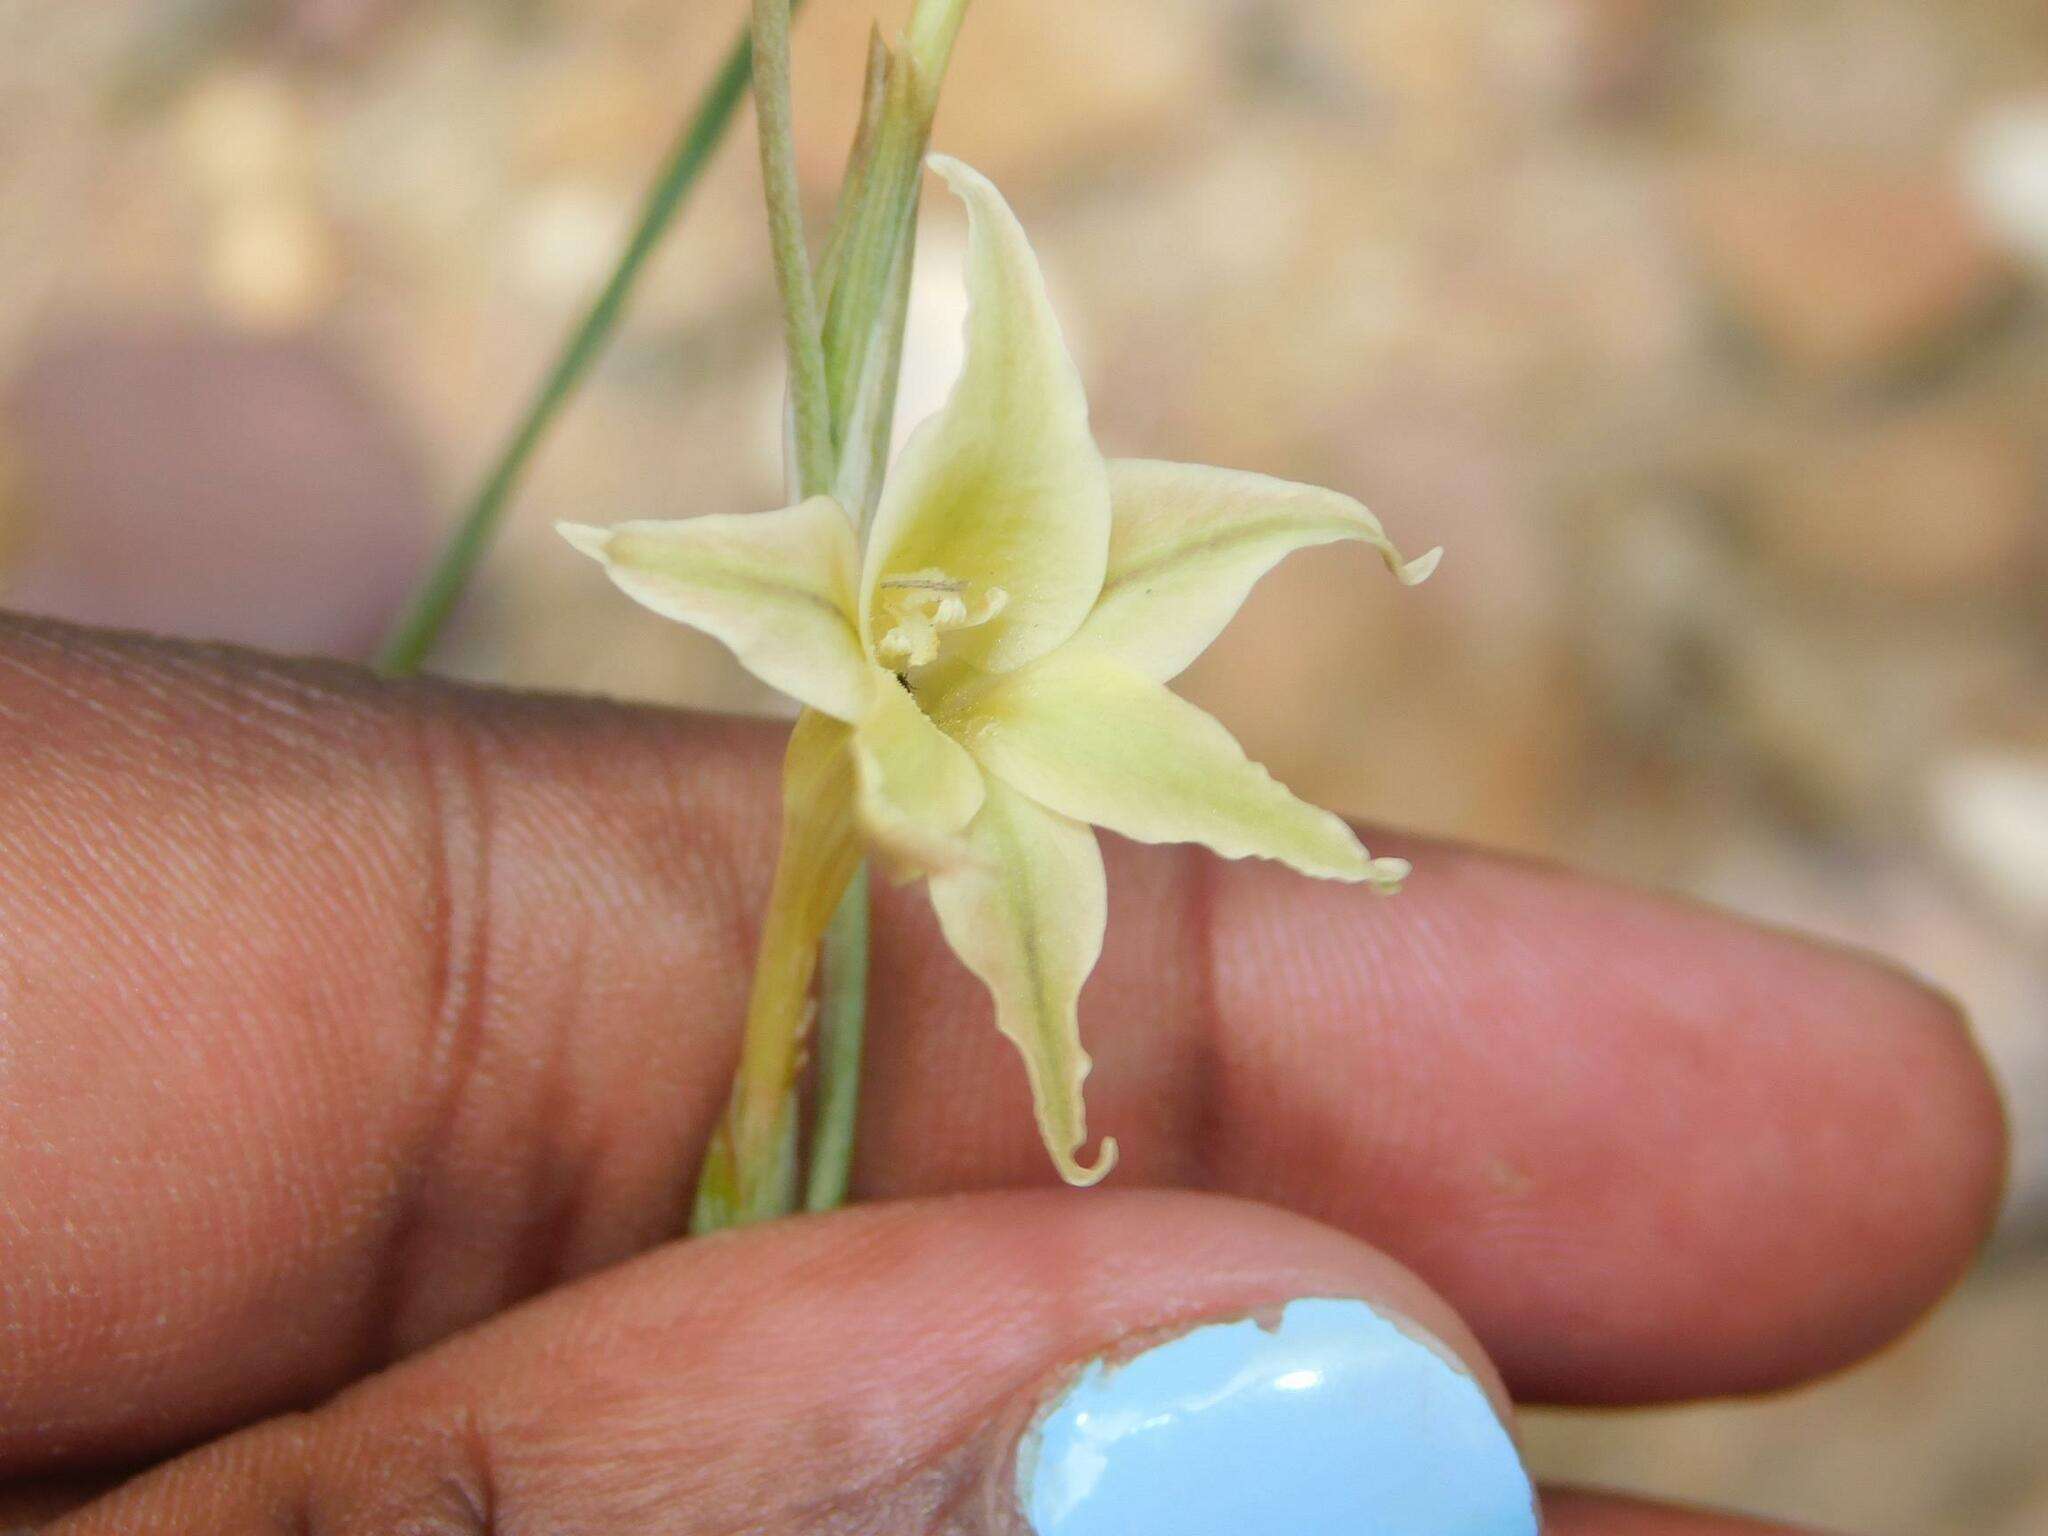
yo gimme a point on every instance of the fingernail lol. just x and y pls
(1331, 1417)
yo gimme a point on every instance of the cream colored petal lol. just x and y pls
(1004, 488)
(918, 788)
(1097, 740)
(1188, 543)
(1027, 916)
(777, 587)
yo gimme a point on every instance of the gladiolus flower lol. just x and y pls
(987, 680)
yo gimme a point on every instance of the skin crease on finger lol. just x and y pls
(336, 1016)
(704, 1390)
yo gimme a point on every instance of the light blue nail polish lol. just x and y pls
(1335, 1420)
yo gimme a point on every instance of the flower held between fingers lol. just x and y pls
(989, 678)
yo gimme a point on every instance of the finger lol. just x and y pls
(1648, 1150)
(1589, 1514)
(1139, 1362)
(1566, 1512)
(337, 1017)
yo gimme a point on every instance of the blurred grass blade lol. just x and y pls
(412, 639)
(810, 409)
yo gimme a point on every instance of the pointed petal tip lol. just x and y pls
(590, 540)
(1083, 1176)
(1415, 572)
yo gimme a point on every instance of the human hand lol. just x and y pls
(360, 1039)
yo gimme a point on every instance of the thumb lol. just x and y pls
(1118, 1364)
(1109, 1364)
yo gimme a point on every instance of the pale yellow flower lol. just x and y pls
(989, 679)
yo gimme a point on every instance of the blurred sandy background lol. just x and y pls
(1712, 338)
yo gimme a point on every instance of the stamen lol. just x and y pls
(920, 607)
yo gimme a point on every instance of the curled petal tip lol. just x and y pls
(1083, 1176)
(591, 541)
(1386, 875)
(962, 178)
(1415, 572)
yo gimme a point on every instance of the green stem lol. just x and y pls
(933, 27)
(842, 1019)
(810, 405)
(411, 640)
(861, 426)
(843, 990)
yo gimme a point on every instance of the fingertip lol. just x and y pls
(1942, 1171)
(1668, 1151)
(1316, 1414)
(1901, 1140)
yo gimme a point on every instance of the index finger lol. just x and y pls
(335, 1017)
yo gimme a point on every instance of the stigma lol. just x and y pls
(920, 608)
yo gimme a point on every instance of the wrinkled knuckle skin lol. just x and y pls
(394, 935)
